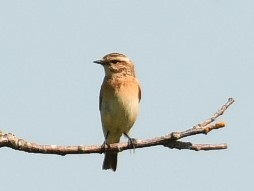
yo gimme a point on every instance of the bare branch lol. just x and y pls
(216, 115)
(196, 147)
(171, 140)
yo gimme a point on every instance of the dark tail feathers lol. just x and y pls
(110, 161)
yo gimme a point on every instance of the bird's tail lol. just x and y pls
(110, 161)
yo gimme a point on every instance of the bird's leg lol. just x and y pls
(131, 141)
(105, 143)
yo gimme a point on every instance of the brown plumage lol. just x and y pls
(119, 101)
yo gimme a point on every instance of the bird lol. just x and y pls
(119, 99)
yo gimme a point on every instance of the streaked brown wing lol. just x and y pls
(139, 93)
(100, 100)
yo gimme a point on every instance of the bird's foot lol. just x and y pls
(131, 141)
(104, 145)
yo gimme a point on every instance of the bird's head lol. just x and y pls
(116, 64)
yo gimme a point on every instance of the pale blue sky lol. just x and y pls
(190, 57)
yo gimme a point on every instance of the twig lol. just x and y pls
(216, 115)
(196, 147)
(170, 140)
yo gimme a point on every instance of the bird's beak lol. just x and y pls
(99, 62)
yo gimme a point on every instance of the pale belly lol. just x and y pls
(118, 114)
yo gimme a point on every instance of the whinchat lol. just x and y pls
(118, 102)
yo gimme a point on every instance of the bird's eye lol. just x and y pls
(114, 61)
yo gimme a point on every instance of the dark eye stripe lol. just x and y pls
(114, 61)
